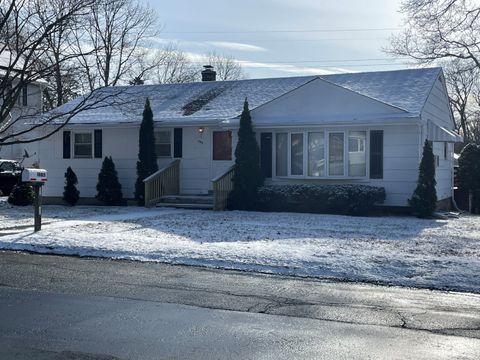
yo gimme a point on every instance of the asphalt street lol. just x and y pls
(55, 307)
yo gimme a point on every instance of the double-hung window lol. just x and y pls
(163, 143)
(82, 145)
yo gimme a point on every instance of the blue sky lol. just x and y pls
(285, 37)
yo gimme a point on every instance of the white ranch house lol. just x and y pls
(358, 128)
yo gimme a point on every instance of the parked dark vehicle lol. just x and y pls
(10, 173)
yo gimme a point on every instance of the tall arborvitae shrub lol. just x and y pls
(147, 159)
(71, 193)
(424, 199)
(248, 177)
(469, 174)
(22, 194)
(109, 189)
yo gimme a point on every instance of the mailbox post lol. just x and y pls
(36, 178)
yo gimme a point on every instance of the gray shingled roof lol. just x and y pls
(210, 102)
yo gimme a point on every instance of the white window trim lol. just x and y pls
(326, 134)
(171, 141)
(72, 145)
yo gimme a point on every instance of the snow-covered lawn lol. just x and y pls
(442, 254)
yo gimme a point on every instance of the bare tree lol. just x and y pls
(227, 67)
(439, 29)
(447, 33)
(25, 27)
(118, 32)
(61, 55)
(462, 80)
(173, 66)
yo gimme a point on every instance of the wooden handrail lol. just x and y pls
(222, 187)
(165, 181)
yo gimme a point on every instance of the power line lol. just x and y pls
(326, 63)
(283, 31)
(328, 60)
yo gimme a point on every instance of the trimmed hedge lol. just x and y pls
(328, 199)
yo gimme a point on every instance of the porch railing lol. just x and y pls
(165, 181)
(222, 187)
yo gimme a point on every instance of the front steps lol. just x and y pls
(202, 202)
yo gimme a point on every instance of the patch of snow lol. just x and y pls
(440, 254)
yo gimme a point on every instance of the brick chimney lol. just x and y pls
(209, 74)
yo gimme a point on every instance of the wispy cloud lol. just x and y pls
(289, 68)
(236, 46)
(286, 68)
(209, 44)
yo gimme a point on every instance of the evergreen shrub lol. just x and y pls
(109, 189)
(468, 173)
(248, 176)
(147, 159)
(71, 193)
(22, 194)
(325, 199)
(424, 198)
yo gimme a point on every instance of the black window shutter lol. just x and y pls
(177, 142)
(98, 144)
(24, 95)
(266, 154)
(376, 154)
(66, 144)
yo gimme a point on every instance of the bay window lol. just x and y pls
(321, 154)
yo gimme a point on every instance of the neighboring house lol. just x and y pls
(359, 128)
(29, 103)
